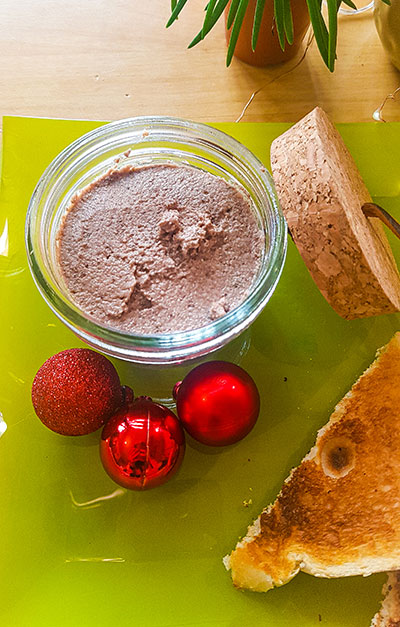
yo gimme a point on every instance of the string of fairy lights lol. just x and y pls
(377, 114)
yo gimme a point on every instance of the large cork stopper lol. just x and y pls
(321, 193)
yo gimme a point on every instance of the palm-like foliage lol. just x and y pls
(325, 33)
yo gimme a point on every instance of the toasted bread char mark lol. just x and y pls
(389, 614)
(336, 519)
(321, 193)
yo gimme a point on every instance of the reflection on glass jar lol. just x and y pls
(387, 22)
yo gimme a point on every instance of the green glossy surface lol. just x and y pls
(155, 558)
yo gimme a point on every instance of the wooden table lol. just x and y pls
(103, 59)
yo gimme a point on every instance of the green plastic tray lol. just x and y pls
(70, 559)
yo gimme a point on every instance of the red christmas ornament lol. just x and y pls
(218, 403)
(143, 445)
(76, 391)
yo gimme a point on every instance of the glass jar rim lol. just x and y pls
(120, 343)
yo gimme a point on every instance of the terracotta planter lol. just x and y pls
(387, 22)
(268, 50)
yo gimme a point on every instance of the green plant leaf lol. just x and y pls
(332, 21)
(349, 3)
(199, 37)
(258, 13)
(208, 17)
(279, 13)
(219, 9)
(319, 28)
(288, 21)
(326, 37)
(237, 24)
(176, 10)
(232, 13)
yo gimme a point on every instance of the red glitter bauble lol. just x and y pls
(143, 445)
(218, 403)
(76, 391)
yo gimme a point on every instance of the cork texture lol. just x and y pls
(321, 193)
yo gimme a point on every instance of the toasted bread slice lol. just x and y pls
(389, 614)
(338, 513)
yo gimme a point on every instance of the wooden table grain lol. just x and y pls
(102, 59)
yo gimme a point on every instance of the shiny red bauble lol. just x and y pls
(142, 445)
(218, 403)
(75, 391)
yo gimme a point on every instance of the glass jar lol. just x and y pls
(135, 142)
(387, 22)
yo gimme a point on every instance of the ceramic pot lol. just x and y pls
(387, 22)
(268, 50)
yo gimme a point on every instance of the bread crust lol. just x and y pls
(389, 614)
(338, 513)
